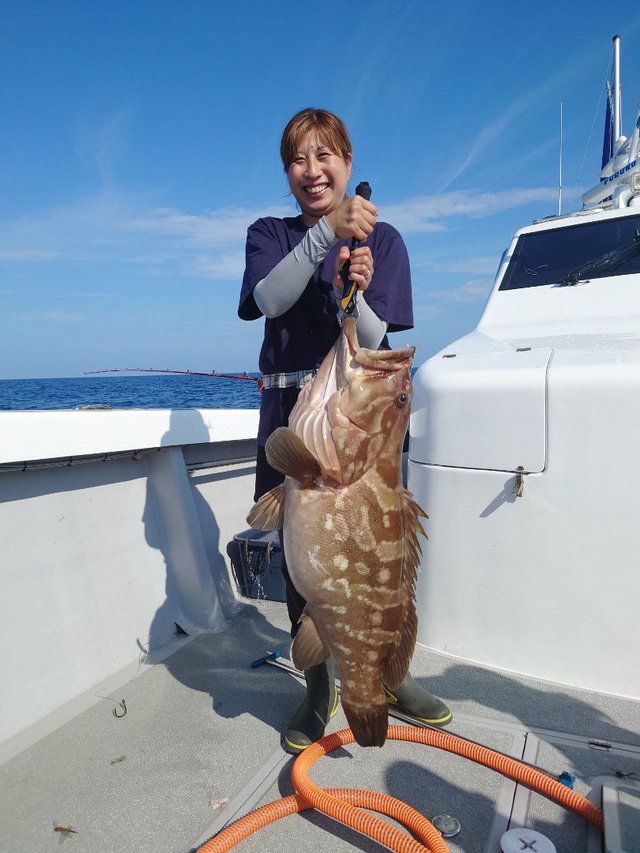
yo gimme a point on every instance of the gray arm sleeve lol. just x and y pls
(283, 286)
(371, 329)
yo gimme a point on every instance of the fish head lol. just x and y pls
(369, 412)
(355, 412)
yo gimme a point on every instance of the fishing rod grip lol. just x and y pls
(349, 287)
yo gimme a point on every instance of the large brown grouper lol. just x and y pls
(350, 528)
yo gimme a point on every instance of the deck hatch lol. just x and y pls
(484, 411)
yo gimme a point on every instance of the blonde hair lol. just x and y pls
(330, 129)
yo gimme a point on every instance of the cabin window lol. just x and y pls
(576, 253)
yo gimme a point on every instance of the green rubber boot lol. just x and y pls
(416, 701)
(318, 707)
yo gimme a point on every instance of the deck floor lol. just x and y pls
(202, 727)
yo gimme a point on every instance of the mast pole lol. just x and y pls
(560, 168)
(617, 100)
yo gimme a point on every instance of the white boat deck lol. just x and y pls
(202, 727)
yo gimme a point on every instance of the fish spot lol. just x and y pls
(389, 550)
(333, 585)
(384, 575)
(340, 609)
(338, 526)
(386, 497)
(341, 562)
(340, 499)
(363, 533)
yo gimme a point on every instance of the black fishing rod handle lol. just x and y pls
(348, 301)
(364, 190)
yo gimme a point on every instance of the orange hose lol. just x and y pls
(346, 805)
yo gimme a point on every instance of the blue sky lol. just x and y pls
(140, 139)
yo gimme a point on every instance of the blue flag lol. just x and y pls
(607, 146)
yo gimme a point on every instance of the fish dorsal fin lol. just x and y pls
(411, 515)
(268, 512)
(397, 664)
(287, 453)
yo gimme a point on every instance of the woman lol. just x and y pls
(292, 278)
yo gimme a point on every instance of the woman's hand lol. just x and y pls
(354, 217)
(360, 268)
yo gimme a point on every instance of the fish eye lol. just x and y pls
(401, 400)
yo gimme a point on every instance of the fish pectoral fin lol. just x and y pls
(287, 453)
(308, 647)
(268, 512)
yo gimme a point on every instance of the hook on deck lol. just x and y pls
(124, 710)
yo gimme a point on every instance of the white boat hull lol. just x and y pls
(114, 527)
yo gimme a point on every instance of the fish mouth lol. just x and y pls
(349, 361)
(352, 358)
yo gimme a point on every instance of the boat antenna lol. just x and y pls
(560, 168)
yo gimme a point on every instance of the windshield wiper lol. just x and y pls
(609, 261)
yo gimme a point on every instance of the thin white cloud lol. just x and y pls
(118, 229)
(475, 290)
(223, 267)
(212, 229)
(29, 255)
(424, 213)
(476, 264)
(425, 311)
(100, 146)
(55, 317)
(497, 129)
(86, 230)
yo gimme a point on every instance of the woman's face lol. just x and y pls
(318, 178)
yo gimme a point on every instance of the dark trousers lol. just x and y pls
(268, 478)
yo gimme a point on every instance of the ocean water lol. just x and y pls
(130, 392)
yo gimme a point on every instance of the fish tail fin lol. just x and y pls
(369, 725)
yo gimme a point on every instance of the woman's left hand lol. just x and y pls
(360, 268)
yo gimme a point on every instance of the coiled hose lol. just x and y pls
(346, 805)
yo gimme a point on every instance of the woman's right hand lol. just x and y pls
(353, 218)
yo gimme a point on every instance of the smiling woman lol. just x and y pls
(292, 278)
